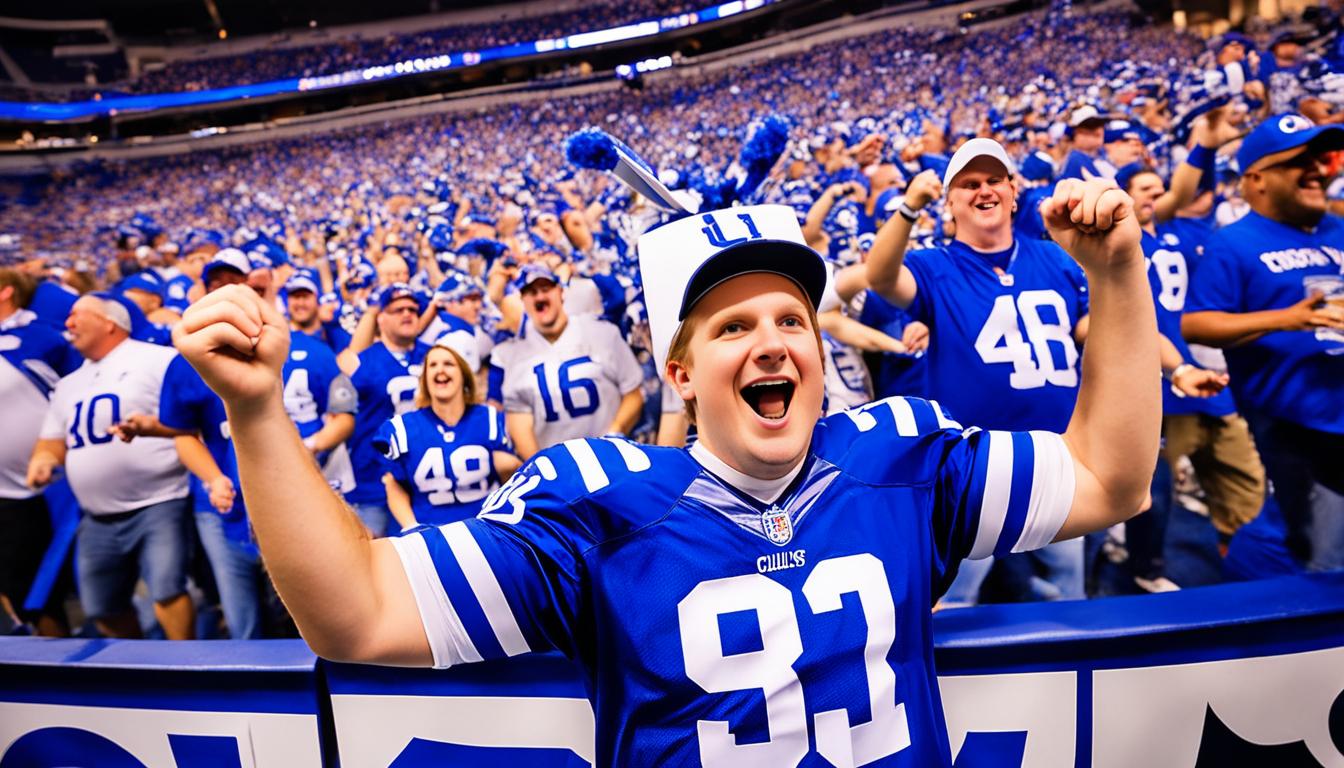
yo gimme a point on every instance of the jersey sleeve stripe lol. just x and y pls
(945, 421)
(452, 578)
(635, 459)
(998, 479)
(1052, 486)
(492, 415)
(486, 587)
(399, 431)
(590, 469)
(1020, 492)
(448, 640)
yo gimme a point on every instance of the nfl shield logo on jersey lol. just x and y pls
(778, 526)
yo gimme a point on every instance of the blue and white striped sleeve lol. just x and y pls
(1005, 492)
(501, 584)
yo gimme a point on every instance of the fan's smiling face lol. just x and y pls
(754, 370)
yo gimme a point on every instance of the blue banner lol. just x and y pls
(1235, 675)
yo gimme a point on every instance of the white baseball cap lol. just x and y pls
(970, 151)
(682, 261)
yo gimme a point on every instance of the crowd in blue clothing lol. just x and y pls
(405, 253)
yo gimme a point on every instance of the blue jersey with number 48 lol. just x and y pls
(1001, 348)
(721, 631)
(448, 470)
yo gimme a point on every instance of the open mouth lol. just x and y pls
(769, 399)
(987, 206)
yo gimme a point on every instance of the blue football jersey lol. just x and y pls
(1169, 279)
(1258, 264)
(188, 403)
(311, 378)
(1001, 348)
(448, 471)
(33, 357)
(52, 302)
(718, 630)
(385, 385)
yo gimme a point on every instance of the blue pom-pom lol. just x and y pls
(767, 141)
(592, 148)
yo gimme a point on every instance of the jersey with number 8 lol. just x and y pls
(1001, 348)
(721, 631)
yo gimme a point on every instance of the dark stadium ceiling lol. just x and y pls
(194, 19)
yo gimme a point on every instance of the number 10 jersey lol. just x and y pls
(718, 630)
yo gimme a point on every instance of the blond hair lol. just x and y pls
(469, 394)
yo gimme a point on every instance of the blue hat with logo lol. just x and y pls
(395, 291)
(1122, 130)
(534, 272)
(1283, 137)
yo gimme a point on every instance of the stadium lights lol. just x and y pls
(628, 71)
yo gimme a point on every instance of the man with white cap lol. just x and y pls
(702, 590)
(1005, 314)
(136, 522)
(1270, 291)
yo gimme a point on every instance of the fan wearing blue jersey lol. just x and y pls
(702, 590)
(1269, 291)
(1199, 418)
(1006, 316)
(385, 379)
(444, 458)
(33, 357)
(305, 314)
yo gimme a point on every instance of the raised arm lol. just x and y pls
(1114, 433)
(887, 273)
(348, 594)
(1210, 132)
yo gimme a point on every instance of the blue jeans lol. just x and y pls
(114, 551)
(1146, 533)
(237, 569)
(374, 516)
(1306, 467)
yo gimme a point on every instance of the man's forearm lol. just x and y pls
(196, 458)
(1116, 423)
(1228, 329)
(336, 431)
(296, 516)
(887, 256)
(628, 412)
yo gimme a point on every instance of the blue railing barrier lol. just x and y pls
(1245, 674)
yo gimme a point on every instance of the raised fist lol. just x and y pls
(238, 342)
(1094, 221)
(923, 189)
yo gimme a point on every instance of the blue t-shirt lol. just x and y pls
(332, 335)
(448, 470)
(1258, 264)
(187, 403)
(1001, 348)
(1169, 279)
(385, 384)
(708, 623)
(894, 374)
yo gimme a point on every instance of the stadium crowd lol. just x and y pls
(463, 292)
(353, 51)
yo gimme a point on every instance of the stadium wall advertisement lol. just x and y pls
(1236, 675)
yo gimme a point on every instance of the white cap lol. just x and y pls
(973, 149)
(1084, 114)
(682, 261)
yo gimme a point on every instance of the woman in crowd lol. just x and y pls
(446, 456)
